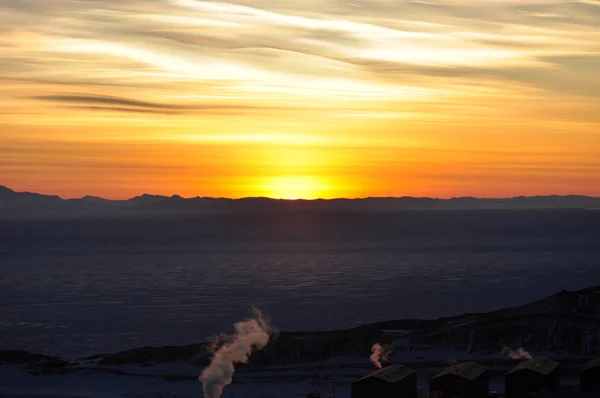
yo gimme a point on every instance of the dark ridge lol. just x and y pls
(566, 323)
(15, 204)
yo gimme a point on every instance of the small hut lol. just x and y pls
(394, 381)
(532, 376)
(590, 377)
(465, 380)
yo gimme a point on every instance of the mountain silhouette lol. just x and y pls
(28, 203)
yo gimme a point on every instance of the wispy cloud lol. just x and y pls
(360, 72)
(119, 104)
(277, 46)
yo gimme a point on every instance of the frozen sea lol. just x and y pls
(77, 287)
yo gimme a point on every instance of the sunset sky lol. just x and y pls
(300, 98)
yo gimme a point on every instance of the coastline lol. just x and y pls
(564, 324)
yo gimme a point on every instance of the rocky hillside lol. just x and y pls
(283, 349)
(566, 323)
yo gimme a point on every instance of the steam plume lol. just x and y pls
(379, 352)
(251, 334)
(519, 354)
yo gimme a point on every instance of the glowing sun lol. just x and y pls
(294, 187)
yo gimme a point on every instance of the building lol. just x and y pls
(394, 381)
(532, 376)
(465, 380)
(590, 377)
(573, 392)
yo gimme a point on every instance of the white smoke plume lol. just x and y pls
(379, 352)
(519, 354)
(251, 334)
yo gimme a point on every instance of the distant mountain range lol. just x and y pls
(27, 203)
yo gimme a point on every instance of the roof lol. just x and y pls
(593, 363)
(466, 370)
(540, 365)
(562, 393)
(391, 374)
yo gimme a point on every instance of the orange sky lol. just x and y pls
(300, 99)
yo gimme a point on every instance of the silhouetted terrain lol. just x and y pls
(563, 324)
(26, 203)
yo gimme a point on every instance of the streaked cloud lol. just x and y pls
(118, 104)
(333, 73)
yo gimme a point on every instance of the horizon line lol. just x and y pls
(302, 199)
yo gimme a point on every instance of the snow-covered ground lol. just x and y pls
(14, 383)
(162, 380)
(78, 287)
(88, 379)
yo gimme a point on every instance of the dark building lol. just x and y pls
(394, 381)
(465, 380)
(563, 393)
(532, 376)
(590, 377)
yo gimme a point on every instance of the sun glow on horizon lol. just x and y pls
(300, 100)
(294, 188)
